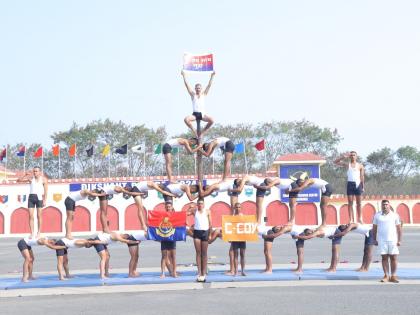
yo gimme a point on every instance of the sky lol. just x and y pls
(351, 65)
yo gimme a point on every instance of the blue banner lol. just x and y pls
(307, 195)
(173, 234)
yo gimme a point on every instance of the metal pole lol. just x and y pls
(199, 155)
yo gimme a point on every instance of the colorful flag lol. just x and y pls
(3, 154)
(4, 198)
(260, 145)
(106, 150)
(167, 226)
(21, 151)
(38, 153)
(89, 151)
(72, 150)
(198, 62)
(56, 150)
(21, 198)
(57, 197)
(240, 148)
(122, 149)
(158, 149)
(139, 149)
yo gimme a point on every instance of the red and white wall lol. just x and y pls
(122, 213)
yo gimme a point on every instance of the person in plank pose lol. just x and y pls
(227, 147)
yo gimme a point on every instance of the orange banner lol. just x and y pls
(237, 228)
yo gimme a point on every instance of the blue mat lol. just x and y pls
(88, 280)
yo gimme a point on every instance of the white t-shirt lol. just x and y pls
(254, 180)
(225, 186)
(284, 183)
(387, 231)
(142, 186)
(362, 229)
(139, 235)
(221, 141)
(319, 183)
(329, 231)
(105, 237)
(37, 187)
(69, 243)
(109, 189)
(176, 189)
(198, 103)
(77, 196)
(296, 230)
(174, 143)
(31, 241)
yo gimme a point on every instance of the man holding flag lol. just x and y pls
(168, 227)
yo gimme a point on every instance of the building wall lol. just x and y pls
(122, 213)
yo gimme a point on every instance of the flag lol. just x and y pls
(122, 149)
(106, 150)
(38, 153)
(240, 148)
(56, 150)
(3, 154)
(260, 145)
(139, 149)
(21, 151)
(167, 226)
(158, 149)
(198, 62)
(72, 150)
(89, 151)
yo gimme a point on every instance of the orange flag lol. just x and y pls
(56, 150)
(72, 150)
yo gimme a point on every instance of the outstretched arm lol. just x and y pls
(210, 149)
(26, 178)
(163, 192)
(209, 84)
(339, 161)
(119, 238)
(190, 196)
(93, 194)
(342, 233)
(189, 89)
(241, 186)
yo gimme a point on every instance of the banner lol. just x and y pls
(307, 195)
(198, 63)
(167, 226)
(237, 228)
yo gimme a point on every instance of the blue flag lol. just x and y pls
(240, 148)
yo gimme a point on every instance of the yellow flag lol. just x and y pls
(106, 150)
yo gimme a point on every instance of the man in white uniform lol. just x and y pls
(387, 235)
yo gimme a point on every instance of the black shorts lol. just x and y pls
(60, 252)
(166, 197)
(328, 191)
(353, 190)
(198, 115)
(202, 235)
(70, 204)
(269, 232)
(229, 147)
(166, 148)
(131, 238)
(34, 202)
(369, 239)
(101, 198)
(300, 243)
(261, 192)
(233, 193)
(99, 247)
(22, 245)
(167, 245)
(337, 240)
(238, 245)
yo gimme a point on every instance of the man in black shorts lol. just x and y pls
(237, 248)
(168, 250)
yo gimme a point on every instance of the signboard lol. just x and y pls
(198, 62)
(92, 186)
(237, 228)
(307, 195)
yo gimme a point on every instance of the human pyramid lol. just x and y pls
(386, 229)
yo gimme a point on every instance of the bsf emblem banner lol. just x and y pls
(237, 228)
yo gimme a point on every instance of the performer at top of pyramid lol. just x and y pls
(198, 102)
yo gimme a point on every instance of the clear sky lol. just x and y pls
(351, 65)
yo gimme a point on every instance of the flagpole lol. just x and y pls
(5, 167)
(24, 161)
(265, 161)
(178, 160)
(74, 165)
(42, 160)
(212, 157)
(144, 160)
(109, 165)
(59, 162)
(246, 162)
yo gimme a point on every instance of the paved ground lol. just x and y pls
(297, 297)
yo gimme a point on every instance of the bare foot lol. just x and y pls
(162, 276)
(25, 280)
(69, 237)
(38, 235)
(361, 270)
(69, 276)
(267, 271)
(62, 279)
(32, 278)
(243, 274)
(133, 275)
(297, 270)
(229, 273)
(104, 277)
(174, 275)
(330, 270)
